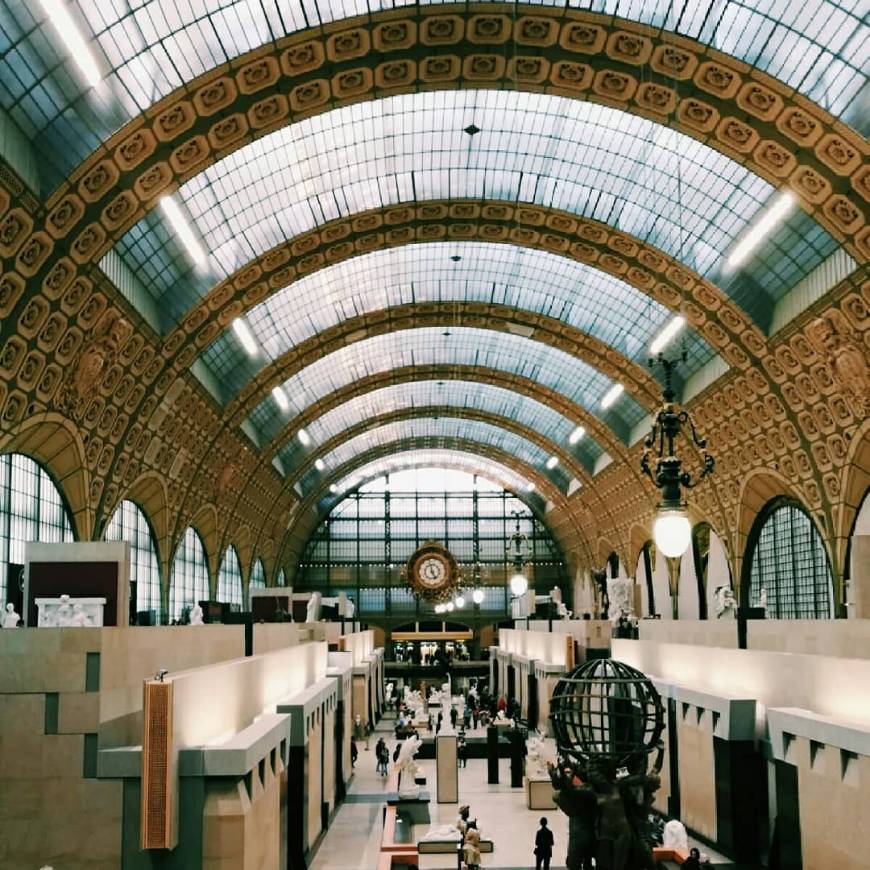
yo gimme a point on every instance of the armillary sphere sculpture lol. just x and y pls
(608, 719)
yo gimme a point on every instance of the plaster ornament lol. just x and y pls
(80, 618)
(196, 615)
(561, 609)
(848, 361)
(312, 611)
(63, 616)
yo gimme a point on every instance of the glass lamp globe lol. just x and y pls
(519, 584)
(449, 606)
(439, 608)
(477, 596)
(672, 532)
(460, 602)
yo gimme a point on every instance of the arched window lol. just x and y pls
(789, 565)
(230, 578)
(281, 579)
(258, 578)
(31, 509)
(128, 523)
(189, 573)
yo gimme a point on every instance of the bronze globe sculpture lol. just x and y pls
(607, 719)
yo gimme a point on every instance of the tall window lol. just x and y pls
(128, 523)
(230, 578)
(281, 579)
(790, 566)
(31, 509)
(189, 573)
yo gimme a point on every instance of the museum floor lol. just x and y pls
(353, 840)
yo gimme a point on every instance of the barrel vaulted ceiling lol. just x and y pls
(432, 241)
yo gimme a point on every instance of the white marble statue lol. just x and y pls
(407, 767)
(388, 691)
(726, 605)
(196, 615)
(10, 617)
(619, 591)
(80, 618)
(762, 599)
(446, 706)
(561, 609)
(537, 757)
(675, 836)
(63, 616)
(312, 612)
(442, 833)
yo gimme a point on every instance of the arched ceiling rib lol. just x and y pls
(451, 396)
(147, 51)
(590, 160)
(602, 306)
(446, 343)
(438, 424)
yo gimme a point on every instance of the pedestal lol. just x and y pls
(492, 755)
(446, 769)
(539, 793)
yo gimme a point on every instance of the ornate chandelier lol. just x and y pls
(672, 530)
(517, 552)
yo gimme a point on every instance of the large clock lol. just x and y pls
(432, 572)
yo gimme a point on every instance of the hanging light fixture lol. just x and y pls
(477, 596)
(672, 530)
(517, 552)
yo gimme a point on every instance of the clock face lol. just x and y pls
(431, 571)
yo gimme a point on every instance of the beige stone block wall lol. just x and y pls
(660, 799)
(846, 638)
(329, 758)
(313, 791)
(833, 808)
(78, 713)
(347, 712)
(360, 697)
(270, 636)
(696, 632)
(697, 770)
(242, 831)
(46, 659)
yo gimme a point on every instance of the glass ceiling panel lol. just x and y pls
(457, 345)
(432, 458)
(437, 432)
(587, 159)
(147, 48)
(574, 293)
(456, 394)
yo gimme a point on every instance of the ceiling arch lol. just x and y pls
(605, 308)
(489, 335)
(723, 324)
(450, 396)
(147, 53)
(594, 161)
(312, 508)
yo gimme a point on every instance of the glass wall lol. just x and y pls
(363, 544)
(189, 574)
(129, 524)
(789, 572)
(229, 588)
(31, 509)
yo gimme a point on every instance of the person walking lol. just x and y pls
(354, 752)
(382, 756)
(543, 846)
(693, 862)
(462, 752)
(453, 717)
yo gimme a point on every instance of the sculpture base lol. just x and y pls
(539, 792)
(416, 809)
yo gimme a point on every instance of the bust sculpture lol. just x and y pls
(10, 617)
(407, 767)
(196, 615)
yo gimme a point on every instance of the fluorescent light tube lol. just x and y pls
(281, 399)
(183, 229)
(552, 462)
(304, 437)
(576, 435)
(766, 222)
(664, 338)
(612, 395)
(245, 336)
(73, 39)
